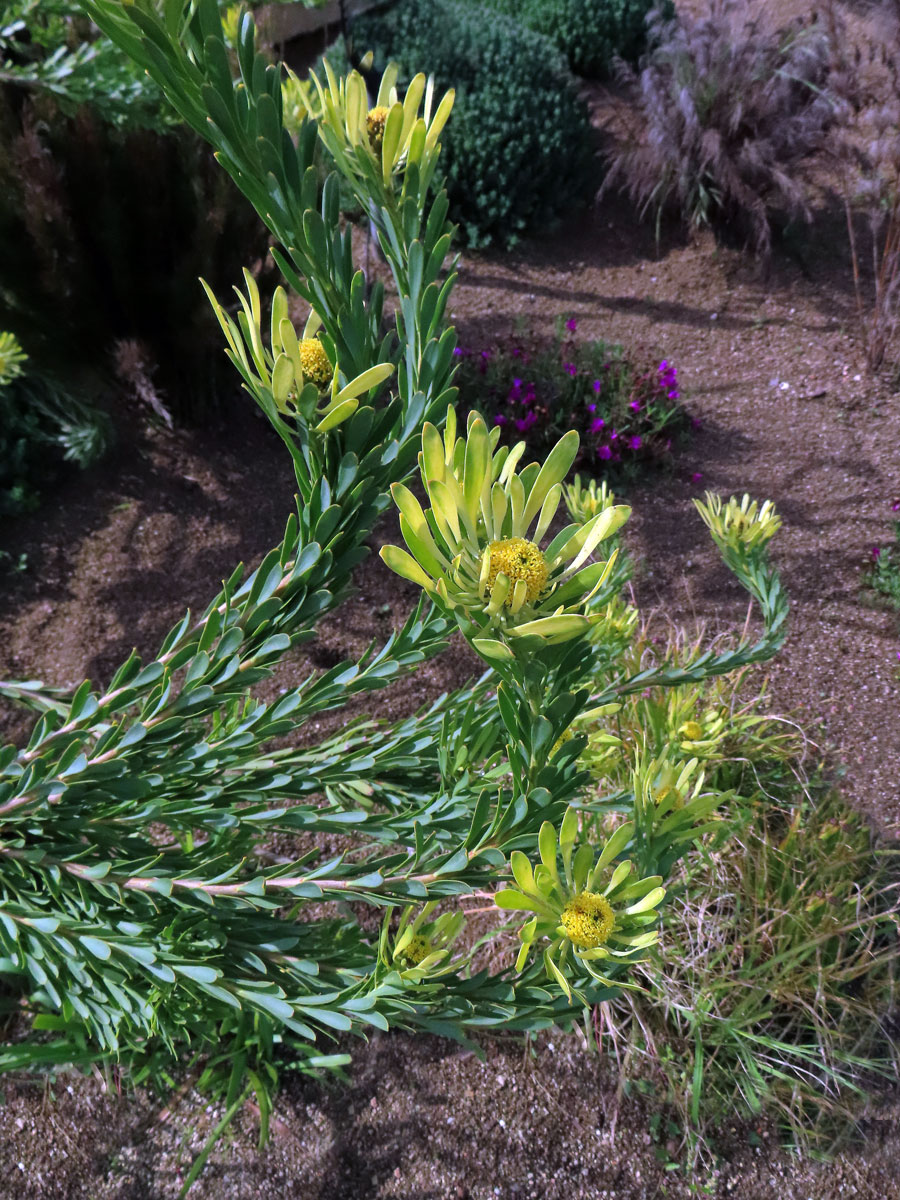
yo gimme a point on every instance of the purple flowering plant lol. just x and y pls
(883, 576)
(626, 406)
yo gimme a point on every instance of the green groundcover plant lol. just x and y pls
(42, 422)
(884, 575)
(144, 924)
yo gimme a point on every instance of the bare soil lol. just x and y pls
(772, 368)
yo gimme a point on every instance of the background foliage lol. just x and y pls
(42, 422)
(730, 106)
(518, 152)
(110, 212)
(592, 34)
(50, 47)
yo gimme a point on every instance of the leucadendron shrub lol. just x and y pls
(142, 922)
(517, 155)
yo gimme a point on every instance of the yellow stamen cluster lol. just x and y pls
(565, 736)
(588, 920)
(518, 559)
(692, 731)
(375, 123)
(416, 949)
(314, 361)
(664, 792)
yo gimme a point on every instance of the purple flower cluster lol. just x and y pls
(523, 394)
(619, 406)
(668, 379)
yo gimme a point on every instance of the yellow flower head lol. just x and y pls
(588, 920)
(565, 736)
(376, 119)
(517, 559)
(314, 361)
(423, 948)
(575, 914)
(691, 731)
(11, 358)
(479, 552)
(739, 522)
(417, 949)
(354, 133)
(585, 501)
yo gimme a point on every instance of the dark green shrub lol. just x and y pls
(590, 33)
(517, 149)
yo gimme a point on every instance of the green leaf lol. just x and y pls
(651, 900)
(613, 848)
(565, 625)
(554, 972)
(493, 650)
(404, 565)
(197, 972)
(508, 899)
(521, 869)
(547, 847)
(95, 946)
(477, 467)
(554, 470)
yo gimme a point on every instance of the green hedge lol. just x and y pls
(517, 148)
